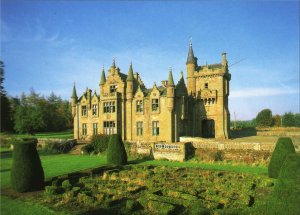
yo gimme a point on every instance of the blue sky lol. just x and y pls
(50, 45)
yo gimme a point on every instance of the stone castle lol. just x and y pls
(161, 113)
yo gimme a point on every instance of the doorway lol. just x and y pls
(208, 128)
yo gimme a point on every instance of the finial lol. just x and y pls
(170, 68)
(114, 62)
(181, 74)
(102, 67)
(190, 41)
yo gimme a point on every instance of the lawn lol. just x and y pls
(61, 164)
(59, 135)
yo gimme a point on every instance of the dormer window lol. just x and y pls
(83, 110)
(206, 85)
(139, 106)
(113, 88)
(155, 104)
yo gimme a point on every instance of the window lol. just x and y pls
(155, 128)
(139, 128)
(95, 128)
(95, 110)
(83, 110)
(139, 106)
(109, 127)
(113, 88)
(206, 85)
(84, 130)
(109, 107)
(155, 104)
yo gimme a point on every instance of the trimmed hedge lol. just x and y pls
(100, 142)
(27, 173)
(116, 153)
(284, 147)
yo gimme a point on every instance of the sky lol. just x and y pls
(49, 45)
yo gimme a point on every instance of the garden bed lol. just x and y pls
(148, 189)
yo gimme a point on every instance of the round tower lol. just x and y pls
(191, 65)
(129, 87)
(170, 91)
(74, 101)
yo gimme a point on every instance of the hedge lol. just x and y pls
(283, 148)
(27, 173)
(116, 153)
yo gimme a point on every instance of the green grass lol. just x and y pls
(14, 206)
(261, 170)
(55, 165)
(60, 135)
(4, 149)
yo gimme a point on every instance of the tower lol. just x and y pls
(102, 81)
(170, 91)
(129, 89)
(74, 101)
(191, 66)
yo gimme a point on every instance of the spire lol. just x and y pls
(181, 75)
(103, 79)
(170, 79)
(130, 73)
(114, 63)
(191, 57)
(74, 94)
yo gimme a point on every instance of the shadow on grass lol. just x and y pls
(140, 160)
(4, 155)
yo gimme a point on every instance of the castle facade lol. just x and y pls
(161, 113)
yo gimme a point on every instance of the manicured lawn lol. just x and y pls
(60, 135)
(211, 166)
(14, 206)
(55, 165)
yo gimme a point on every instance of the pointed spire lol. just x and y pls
(114, 63)
(74, 94)
(170, 79)
(130, 73)
(103, 79)
(181, 75)
(191, 57)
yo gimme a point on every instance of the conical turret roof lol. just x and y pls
(103, 78)
(74, 94)
(191, 57)
(130, 73)
(170, 78)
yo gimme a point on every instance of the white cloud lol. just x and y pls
(260, 92)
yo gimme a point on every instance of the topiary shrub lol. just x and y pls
(87, 149)
(283, 148)
(27, 173)
(100, 142)
(116, 153)
(286, 196)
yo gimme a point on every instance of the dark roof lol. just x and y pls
(161, 89)
(123, 76)
(191, 57)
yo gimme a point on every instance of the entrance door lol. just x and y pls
(208, 128)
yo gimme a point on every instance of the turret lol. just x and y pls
(102, 80)
(74, 101)
(224, 61)
(170, 91)
(113, 68)
(129, 89)
(191, 66)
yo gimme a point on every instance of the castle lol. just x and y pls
(161, 113)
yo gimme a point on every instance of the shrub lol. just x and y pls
(56, 147)
(283, 148)
(288, 120)
(116, 153)
(219, 156)
(264, 118)
(87, 149)
(66, 185)
(100, 142)
(27, 173)
(286, 196)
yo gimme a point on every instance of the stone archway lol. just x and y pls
(208, 128)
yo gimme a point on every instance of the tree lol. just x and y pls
(30, 115)
(288, 120)
(297, 120)
(283, 148)
(276, 120)
(116, 153)
(6, 116)
(27, 173)
(264, 118)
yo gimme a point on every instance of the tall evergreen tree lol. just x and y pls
(6, 117)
